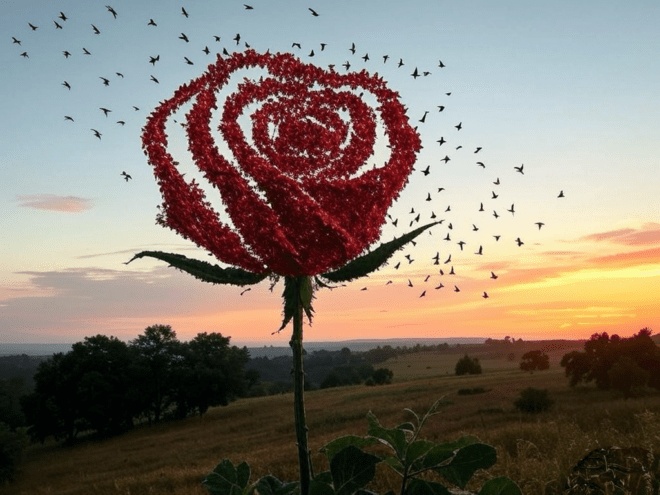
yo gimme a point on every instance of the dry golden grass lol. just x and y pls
(174, 457)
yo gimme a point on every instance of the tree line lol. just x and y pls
(105, 385)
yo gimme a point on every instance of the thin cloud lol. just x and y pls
(52, 202)
(649, 233)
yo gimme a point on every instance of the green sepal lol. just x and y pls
(205, 271)
(297, 290)
(372, 261)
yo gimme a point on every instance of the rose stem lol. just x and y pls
(296, 344)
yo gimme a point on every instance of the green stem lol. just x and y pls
(296, 344)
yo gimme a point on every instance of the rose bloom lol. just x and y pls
(305, 209)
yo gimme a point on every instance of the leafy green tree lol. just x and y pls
(627, 377)
(382, 376)
(212, 373)
(535, 360)
(157, 359)
(468, 366)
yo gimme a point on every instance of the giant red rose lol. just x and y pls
(298, 196)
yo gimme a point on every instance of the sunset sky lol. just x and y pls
(569, 89)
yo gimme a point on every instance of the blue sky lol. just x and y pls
(570, 89)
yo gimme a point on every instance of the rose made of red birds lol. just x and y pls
(306, 209)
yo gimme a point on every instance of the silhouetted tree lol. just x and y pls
(382, 376)
(535, 360)
(468, 366)
(627, 377)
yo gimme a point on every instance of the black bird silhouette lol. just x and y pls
(447, 238)
(15, 41)
(445, 159)
(440, 286)
(456, 289)
(86, 51)
(400, 62)
(495, 214)
(448, 260)
(154, 80)
(206, 50)
(441, 189)
(153, 60)
(311, 54)
(184, 38)
(313, 12)
(105, 111)
(237, 38)
(246, 290)
(540, 224)
(119, 74)
(478, 149)
(452, 272)
(481, 207)
(66, 54)
(520, 169)
(415, 73)
(493, 276)
(151, 23)
(62, 16)
(126, 176)
(426, 171)
(183, 12)
(409, 283)
(481, 164)
(561, 194)
(497, 182)
(136, 108)
(217, 38)
(440, 108)
(97, 133)
(440, 64)
(121, 122)
(474, 228)
(106, 82)
(111, 10)
(34, 28)
(511, 210)
(388, 282)
(428, 198)
(188, 61)
(25, 55)
(459, 126)
(346, 65)
(396, 267)
(385, 57)
(423, 294)
(297, 45)
(248, 7)
(365, 57)
(426, 73)
(323, 45)
(519, 242)
(441, 141)
(423, 119)
(225, 52)
(485, 296)
(497, 237)
(495, 196)
(66, 85)
(96, 30)
(57, 25)
(481, 250)
(461, 244)
(66, 117)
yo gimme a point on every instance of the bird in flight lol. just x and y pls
(485, 296)
(66, 117)
(441, 140)
(34, 28)
(423, 119)
(183, 12)
(85, 51)
(481, 251)
(16, 41)
(25, 55)
(481, 164)
(62, 16)
(96, 133)
(561, 194)
(154, 80)
(415, 73)
(497, 182)
(313, 12)
(106, 82)
(66, 85)
(459, 126)
(520, 169)
(126, 176)
(478, 149)
(96, 30)
(540, 224)
(151, 23)
(105, 111)
(400, 62)
(237, 38)
(493, 276)
(248, 7)
(111, 10)
(426, 171)
(66, 54)
(511, 210)
(244, 291)
(57, 25)
(185, 38)
(153, 60)
(423, 294)
(188, 61)
(519, 242)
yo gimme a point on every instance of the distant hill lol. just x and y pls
(33, 349)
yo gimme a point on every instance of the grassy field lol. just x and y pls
(532, 450)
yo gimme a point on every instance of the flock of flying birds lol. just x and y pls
(445, 261)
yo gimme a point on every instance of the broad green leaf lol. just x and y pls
(416, 450)
(352, 469)
(425, 487)
(270, 485)
(466, 461)
(223, 480)
(205, 271)
(500, 486)
(242, 474)
(331, 449)
(372, 261)
(394, 438)
(441, 453)
(394, 463)
(320, 487)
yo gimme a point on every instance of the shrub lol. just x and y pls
(382, 376)
(468, 366)
(535, 360)
(533, 400)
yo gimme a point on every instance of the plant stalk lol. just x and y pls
(296, 344)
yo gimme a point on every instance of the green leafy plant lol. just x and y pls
(352, 468)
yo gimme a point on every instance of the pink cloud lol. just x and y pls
(649, 233)
(52, 202)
